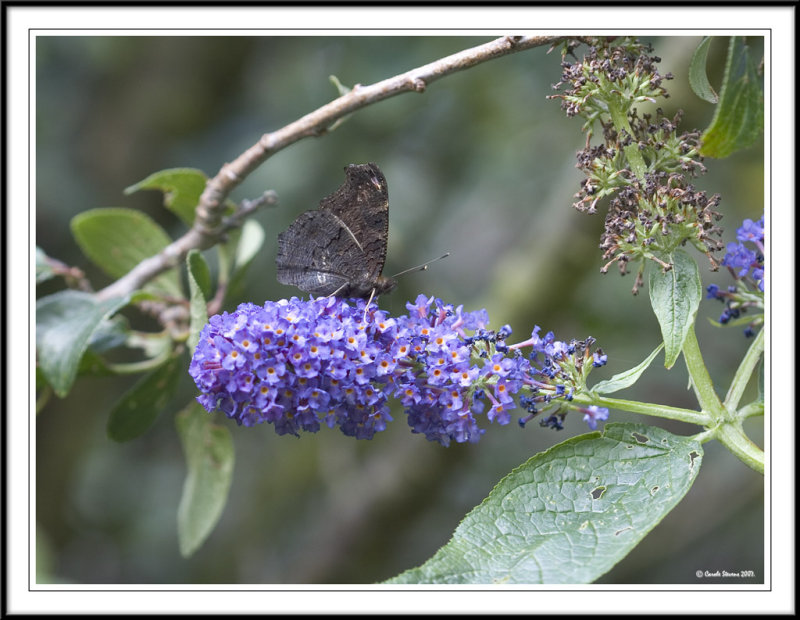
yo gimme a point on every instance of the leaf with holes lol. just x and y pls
(569, 514)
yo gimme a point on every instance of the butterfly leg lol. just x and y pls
(369, 301)
(338, 290)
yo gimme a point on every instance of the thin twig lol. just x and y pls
(209, 227)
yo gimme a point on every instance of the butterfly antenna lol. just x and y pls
(422, 267)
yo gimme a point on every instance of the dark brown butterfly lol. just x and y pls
(340, 248)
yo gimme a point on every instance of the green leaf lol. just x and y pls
(698, 79)
(198, 269)
(226, 255)
(198, 314)
(250, 242)
(117, 240)
(209, 460)
(41, 380)
(627, 378)
(110, 334)
(675, 297)
(742, 320)
(739, 118)
(569, 514)
(343, 90)
(139, 407)
(44, 270)
(65, 323)
(182, 189)
(93, 365)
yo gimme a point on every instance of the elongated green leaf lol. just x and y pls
(198, 314)
(249, 243)
(65, 323)
(569, 514)
(675, 297)
(209, 460)
(198, 269)
(117, 239)
(139, 407)
(226, 255)
(44, 270)
(93, 365)
(627, 378)
(182, 189)
(739, 118)
(343, 90)
(698, 78)
(110, 334)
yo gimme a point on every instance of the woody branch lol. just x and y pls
(209, 226)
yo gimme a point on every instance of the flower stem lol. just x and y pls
(732, 437)
(744, 372)
(701, 381)
(651, 409)
(632, 153)
(753, 409)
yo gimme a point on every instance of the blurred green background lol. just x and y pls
(481, 165)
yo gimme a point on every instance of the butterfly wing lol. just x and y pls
(362, 204)
(320, 255)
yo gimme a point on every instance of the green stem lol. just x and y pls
(651, 409)
(701, 381)
(133, 368)
(744, 372)
(632, 152)
(728, 429)
(753, 409)
(704, 436)
(732, 437)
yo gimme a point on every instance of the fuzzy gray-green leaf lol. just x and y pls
(569, 514)
(209, 460)
(626, 379)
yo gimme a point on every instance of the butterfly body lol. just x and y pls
(340, 248)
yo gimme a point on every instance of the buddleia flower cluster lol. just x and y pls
(303, 364)
(643, 166)
(746, 264)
